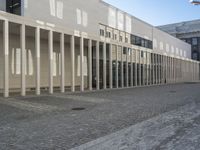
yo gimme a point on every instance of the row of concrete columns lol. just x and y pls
(157, 69)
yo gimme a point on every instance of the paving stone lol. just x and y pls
(64, 128)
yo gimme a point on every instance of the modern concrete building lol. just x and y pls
(52, 45)
(189, 32)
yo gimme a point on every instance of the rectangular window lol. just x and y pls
(101, 32)
(194, 41)
(136, 40)
(120, 38)
(108, 34)
(115, 36)
(124, 50)
(13, 6)
(142, 54)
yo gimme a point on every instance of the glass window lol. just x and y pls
(195, 56)
(115, 36)
(108, 34)
(142, 54)
(124, 50)
(120, 38)
(13, 6)
(138, 41)
(194, 41)
(101, 32)
(135, 40)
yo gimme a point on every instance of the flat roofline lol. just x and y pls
(153, 27)
(107, 4)
(182, 22)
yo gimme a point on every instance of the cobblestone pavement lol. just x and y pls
(174, 130)
(160, 117)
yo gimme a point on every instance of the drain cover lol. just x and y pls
(78, 108)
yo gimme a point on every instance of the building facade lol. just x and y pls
(77, 45)
(187, 31)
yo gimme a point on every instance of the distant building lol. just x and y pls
(187, 31)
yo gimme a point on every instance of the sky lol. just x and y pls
(159, 12)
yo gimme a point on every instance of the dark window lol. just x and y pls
(124, 50)
(101, 32)
(195, 56)
(136, 40)
(142, 54)
(194, 41)
(13, 6)
(108, 34)
(120, 38)
(115, 36)
(143, 42)
(188, 41)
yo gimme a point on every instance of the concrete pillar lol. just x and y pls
(104, 66)
(117, 66)
(62, 52)
(173, 70)
(90, 63)
(37, 46)
(167, 70)
(170, 78)
(136, 61)
(160, 69)
(50, 39)
(131, 67)
(6, 57)
(23, 59)
(97, 65)
(156, 64)
(81, 63)
(122, 68)
(181, 71)
(127, 72)
(161, 65)
(150, 68)
(153, 68)
(171, 66)
(174, 65)
(72, 49)
(170, 69)
(110, 66)
(143, 64)
(140, 69)
(147, 69)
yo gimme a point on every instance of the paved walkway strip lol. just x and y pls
(165, 131)
(28, 106)
(83, 98)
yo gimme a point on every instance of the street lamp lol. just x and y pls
(195, 2)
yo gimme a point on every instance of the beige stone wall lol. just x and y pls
(15, 79)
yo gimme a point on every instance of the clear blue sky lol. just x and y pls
(159, 12)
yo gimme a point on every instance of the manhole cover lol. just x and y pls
(78, 108)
